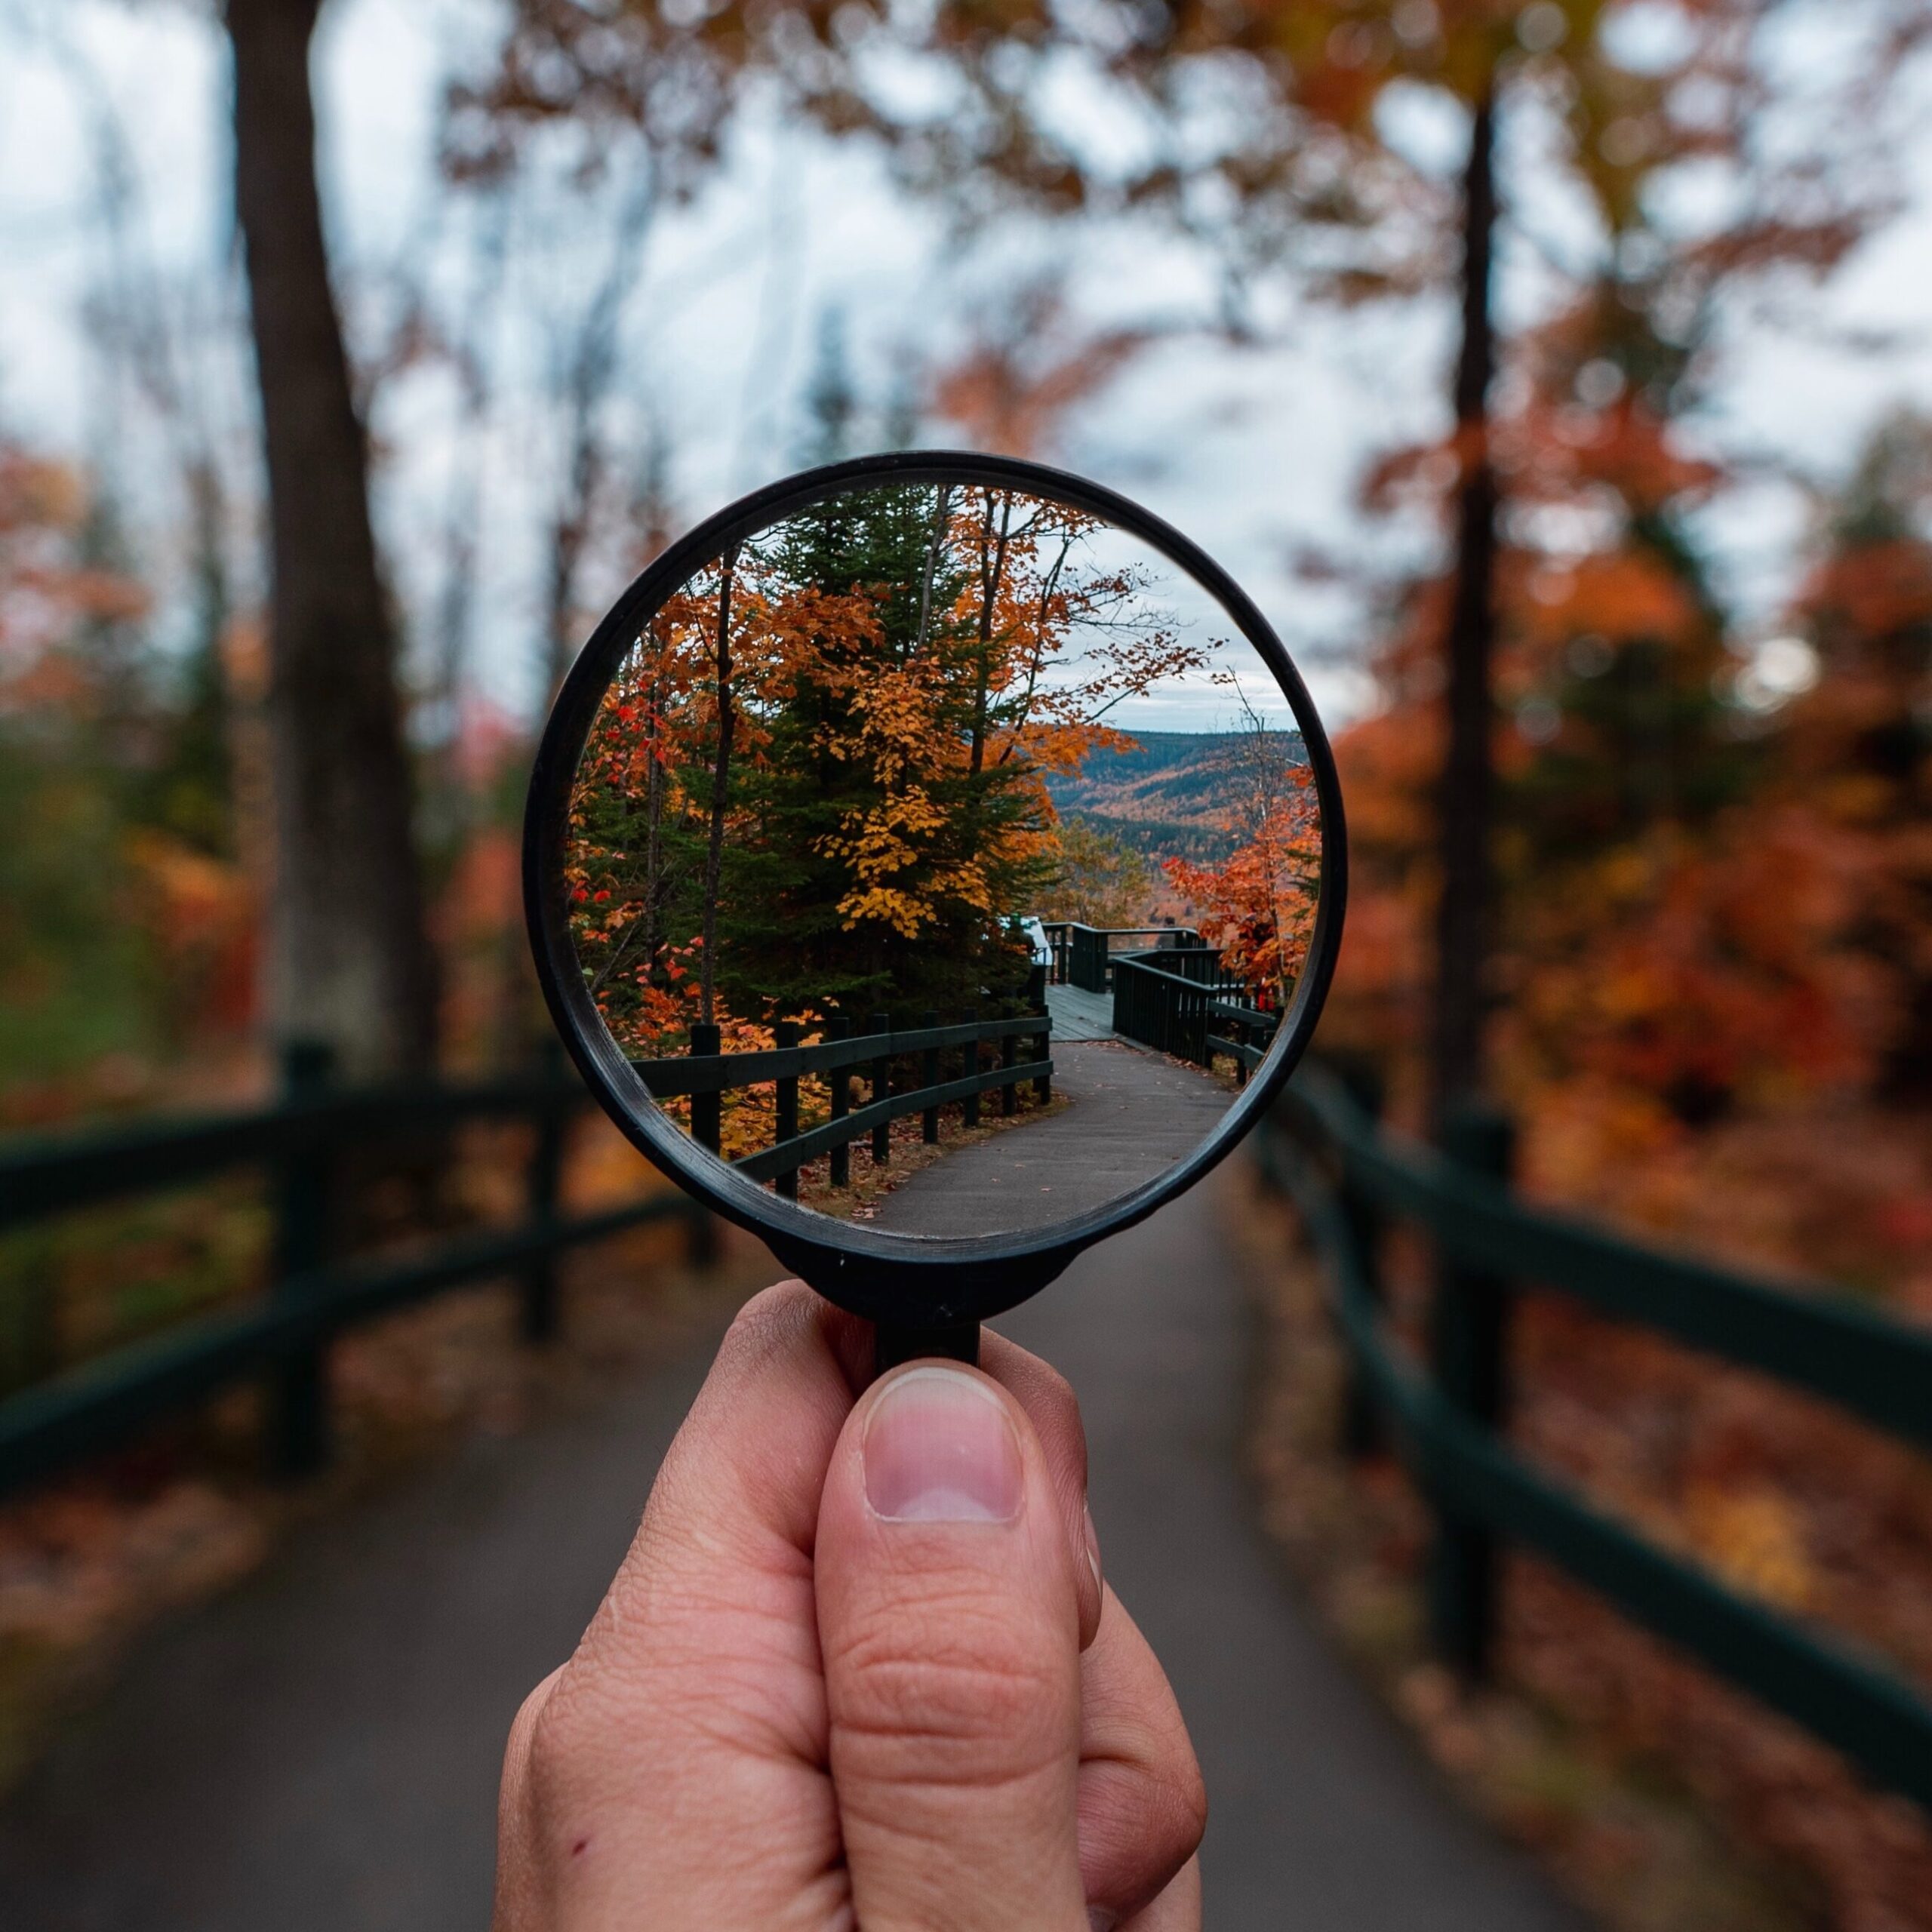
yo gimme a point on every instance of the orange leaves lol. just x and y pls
(1259, 908)
(1011, 389)
(1859, 597)
(1621, 594)
(46, 589)
(908, 664)
(1702, 977)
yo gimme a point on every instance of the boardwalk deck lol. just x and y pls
(1078, 1015)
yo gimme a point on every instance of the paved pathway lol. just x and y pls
(1129, 1114)
(318, 1752)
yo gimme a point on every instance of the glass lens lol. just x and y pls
(944, 858)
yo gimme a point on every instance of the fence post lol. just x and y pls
(542, 1183)
(1362, 1434)
(969, 1067)
(838, 1081)
(1467, 1325)
(1043, 1049)
(1009, 1057)
(298, 1412)
(929, 1077)
(785, 1033)
(707, 1110)
(881, 1022)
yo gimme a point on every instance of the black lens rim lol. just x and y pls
(926, 1280)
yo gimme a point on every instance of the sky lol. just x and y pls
(1252, 450)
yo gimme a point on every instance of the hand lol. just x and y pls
(859, 1668)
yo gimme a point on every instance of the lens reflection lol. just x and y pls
(944, 858)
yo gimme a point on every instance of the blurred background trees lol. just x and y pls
(1573, 733)
(350, 961)
(1567, 743)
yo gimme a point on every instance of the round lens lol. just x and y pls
(942, 856)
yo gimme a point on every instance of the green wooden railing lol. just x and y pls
(1348, 1179)
(1162, 999)
(706, 1075)
(301, 1142)
(1084, 955)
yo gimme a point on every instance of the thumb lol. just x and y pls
(949, 1626)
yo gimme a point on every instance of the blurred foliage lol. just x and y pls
(1715, 905)
(125, 929)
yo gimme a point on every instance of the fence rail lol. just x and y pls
(1347, 1177)
(1084, 955)
(1162, 999)
(1246, 1032)
(705, 1073)
(312, 1296)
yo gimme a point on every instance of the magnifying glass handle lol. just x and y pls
(894, 1343)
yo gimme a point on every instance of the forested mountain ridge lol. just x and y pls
(1170, 795)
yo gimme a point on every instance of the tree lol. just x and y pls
(1099, 879)
(1674, 922)
(850, 809)
(720, 786)
(1856, 750)
(1278, 115)
(1277, 111)
(1310, 161)
(1260, 907)
(351, 957)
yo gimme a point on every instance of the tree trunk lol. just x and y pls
(653, 848)
(721, 780)
(1463, 914)
(993, 570)
(350, 958)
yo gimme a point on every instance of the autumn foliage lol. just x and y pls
(853, 740)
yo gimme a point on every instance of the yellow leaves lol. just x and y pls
(883, 845)
(1753, 1538)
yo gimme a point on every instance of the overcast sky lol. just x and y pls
(1249, 450)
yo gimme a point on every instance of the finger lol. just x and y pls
(1177, 1910)
(1142, 1807)
(693, 1710)
(518, 1866)
(1048, 1397)
(949, 1624)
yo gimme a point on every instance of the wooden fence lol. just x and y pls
(1350, 1179)
(706, 1075)
(301, 1141)
(1084, 955)
(1174, 1000)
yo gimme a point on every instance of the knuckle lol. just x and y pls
(1139, 1826)
(769, 1321)
(551, 1754)
(948, 1698)
(1184, 1810)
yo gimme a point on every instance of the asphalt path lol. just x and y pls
(1130, 1114)
(317, 1752)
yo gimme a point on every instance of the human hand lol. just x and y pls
(859, 1668)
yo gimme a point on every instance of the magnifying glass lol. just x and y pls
(934, 864)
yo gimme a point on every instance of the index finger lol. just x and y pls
(693, 1709)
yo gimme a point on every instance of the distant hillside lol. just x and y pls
(1168, 796)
